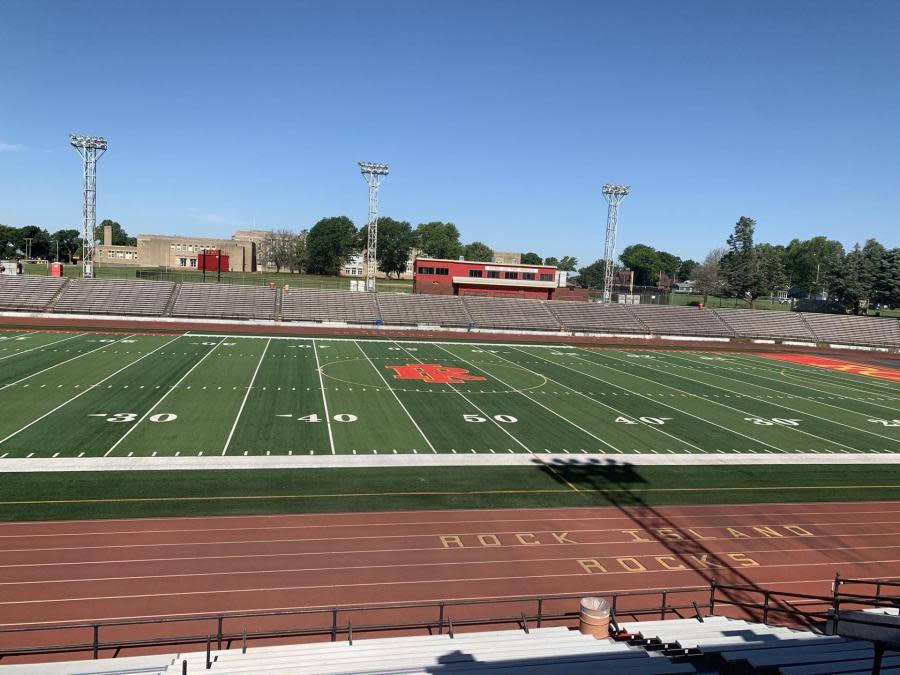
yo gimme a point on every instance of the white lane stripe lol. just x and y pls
(28, 377)
(49, 344)
(86, 390)
(162, 398)
(324, 398)
(391, 389)
(246, 396)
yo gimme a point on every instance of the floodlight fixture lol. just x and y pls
(92, 142)
(374, 168)
(612, 189)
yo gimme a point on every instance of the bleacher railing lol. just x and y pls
(437, 617)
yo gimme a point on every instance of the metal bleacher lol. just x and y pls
(403, 309)
(224, 302)
(510, 313)
(594, 317)
(115, 296)
(23, 293)
(864, 329)
(664, 320)
(765, 324)
(307, 304)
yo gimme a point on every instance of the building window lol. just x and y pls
(172, 246)
(442, 271)
(426, 270)
(120, 254)
(182, 262)
(493, 274)
(528, 276)
(110, 254)
(193, 262)
(546, 277)
(475, 274)
(510, 275)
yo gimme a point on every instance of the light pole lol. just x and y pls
(613, 194)
(91, 148)
(373, 173)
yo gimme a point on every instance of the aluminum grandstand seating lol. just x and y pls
(865, 330)
(663, 320)
(28, 293)
(307, 304)
(765, 324)
(595, 317)
(403, 309)
(115, 296)
(225, 301)
(510, 313)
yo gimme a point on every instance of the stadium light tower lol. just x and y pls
(91, 148)
(613, 194)
(374, 174)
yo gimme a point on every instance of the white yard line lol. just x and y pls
(480, 411)
(28, 377)
(324, 398)
(671, 407)
(246, 396)
(725, 405)
(162, 398)
(390, 389)
(49, 344)
(779, 404)
(598, 402)
(86, 390)
(522, 393)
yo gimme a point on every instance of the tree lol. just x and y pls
(592, 276)
(708, 274)
(119, 235)
(329, 243)
(887, 279)
(299, 257)
(738, 265)
(872, 253)
(531, 259)
(770, 270)
(568, 263)
(551, 261)
(478, 252)
(686, 269)
(69, 242)
(395, 241)
(809, 263)
(280, 249)
(438, 240)
(644, 261)
(845, 286)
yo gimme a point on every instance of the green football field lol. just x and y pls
(90, 394)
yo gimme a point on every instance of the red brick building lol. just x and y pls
(460, 277)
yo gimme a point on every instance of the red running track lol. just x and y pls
(52, 572)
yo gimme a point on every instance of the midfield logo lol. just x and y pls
(433, 372)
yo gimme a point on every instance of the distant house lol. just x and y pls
(686, 286)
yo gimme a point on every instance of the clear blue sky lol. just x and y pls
(504, 117)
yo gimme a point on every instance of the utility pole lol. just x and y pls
(374, 174)
(91, 148)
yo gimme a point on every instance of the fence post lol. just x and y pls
(441, 619)
(350, 632)
(96, 641)
(334, 624)
(712, 597)
(219, 632)
(450, 629)
(878, 593)
(525, 624)
(208, 658)
(244, 641)
(540, 613)
(766, 595)
(662, 607)
(184, 667)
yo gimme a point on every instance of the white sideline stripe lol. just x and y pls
(206, 463)
(28, 377)
(435, 581)
(683, 412)
(725, 405)
(324, 397)
(49, 344)
(246, 396)
(781, 405)
(522, 393)
(472, 343)
(163, 397)
(391, 389)
(86, 390)
(599, 402)
(389, 566)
